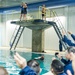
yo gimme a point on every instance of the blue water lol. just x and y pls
(8, 62)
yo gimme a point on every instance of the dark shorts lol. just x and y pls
(43, 15)
(23, 12)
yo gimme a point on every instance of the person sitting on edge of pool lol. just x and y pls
(31, 67)
(3, 71)
(60, 57)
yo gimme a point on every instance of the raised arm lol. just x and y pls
(67, 40)
(72, 35)
(22, 63)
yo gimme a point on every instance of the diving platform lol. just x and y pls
(34, 24)
(37, 26)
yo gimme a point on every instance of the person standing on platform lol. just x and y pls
(23, 11)
(43, 12)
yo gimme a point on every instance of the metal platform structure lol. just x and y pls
(33, 24)
(37, 26)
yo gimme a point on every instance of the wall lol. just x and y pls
(66, 15)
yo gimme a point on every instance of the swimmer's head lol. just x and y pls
(34, 65)
(57, 67)
(42, 58)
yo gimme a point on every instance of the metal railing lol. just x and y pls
(54, 17)
(13, 35)
(58, 26)
(49, 13)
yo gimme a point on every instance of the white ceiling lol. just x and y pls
(7, 3)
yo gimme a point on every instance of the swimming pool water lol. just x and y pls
(8, 62)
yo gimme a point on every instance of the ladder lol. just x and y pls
(59, 28)
(57, 25)
(60, 35)
(15, 39)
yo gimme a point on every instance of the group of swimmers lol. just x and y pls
(24, 11)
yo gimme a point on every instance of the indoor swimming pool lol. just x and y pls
(8, 62)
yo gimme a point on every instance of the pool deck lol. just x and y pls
(51, 52)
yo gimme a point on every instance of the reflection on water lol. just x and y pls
(7, 61)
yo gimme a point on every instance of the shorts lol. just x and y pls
(23, 12)
(43, 15)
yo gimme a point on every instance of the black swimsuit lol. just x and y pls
(23, 10)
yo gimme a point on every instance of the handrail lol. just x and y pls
(48, 10)
(39, 11)
(30, 16)
(59, 20)
(53, 14)
(13, 34)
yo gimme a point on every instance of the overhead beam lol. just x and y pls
(35, 6)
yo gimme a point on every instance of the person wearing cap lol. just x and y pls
(28, 68)
(57, 67)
